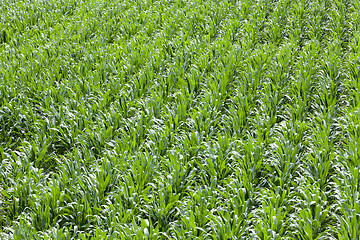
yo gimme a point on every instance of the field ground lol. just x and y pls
(179, 119)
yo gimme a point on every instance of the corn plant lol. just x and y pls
(202, 119)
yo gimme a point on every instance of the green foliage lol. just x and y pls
(202, 119)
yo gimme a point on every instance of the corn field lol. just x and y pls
(180, 119)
